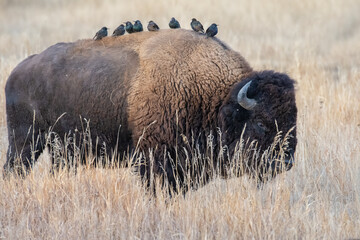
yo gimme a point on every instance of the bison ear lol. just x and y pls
(243, 100)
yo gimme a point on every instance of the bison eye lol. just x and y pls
(261, 126)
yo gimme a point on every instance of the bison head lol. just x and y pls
(262, 110)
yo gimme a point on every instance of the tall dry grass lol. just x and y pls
(316, 42)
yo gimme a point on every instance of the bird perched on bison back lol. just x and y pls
(129, 27)
(137, 26)
(152, 26)
(212, 30)
(174, 23)
(196, 26)
(120, 30)
(101, 33)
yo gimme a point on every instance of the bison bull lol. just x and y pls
(154, 90)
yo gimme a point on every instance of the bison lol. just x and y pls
(153, 91)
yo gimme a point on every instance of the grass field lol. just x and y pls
(315, 42)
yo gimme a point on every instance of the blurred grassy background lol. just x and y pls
(315, 42)
(281, 27)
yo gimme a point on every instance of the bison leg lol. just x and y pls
(162, 163)
(25, 146)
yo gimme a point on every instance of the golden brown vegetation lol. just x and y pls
(315, 42)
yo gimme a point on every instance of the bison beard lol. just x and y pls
(162, 93)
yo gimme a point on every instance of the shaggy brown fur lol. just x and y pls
(173, 83)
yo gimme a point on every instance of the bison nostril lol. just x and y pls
(278, 166)
(288, 164)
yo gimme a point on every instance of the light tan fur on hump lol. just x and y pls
(179, 71)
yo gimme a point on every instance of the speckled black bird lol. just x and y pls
(138, 26)
(129, 27)
(174, 23)
(212, 30)
(120, 30)
(101, 33)
(152, 26)
(196, 26)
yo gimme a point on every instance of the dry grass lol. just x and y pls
(316, 42)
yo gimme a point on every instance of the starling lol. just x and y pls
(152, 26)
(174, 23)
(196, 26)
(212, 30)
(101, 33)
(137, 26)
(129, 27)
(120, 30)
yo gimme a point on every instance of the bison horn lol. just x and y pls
(243, 100)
